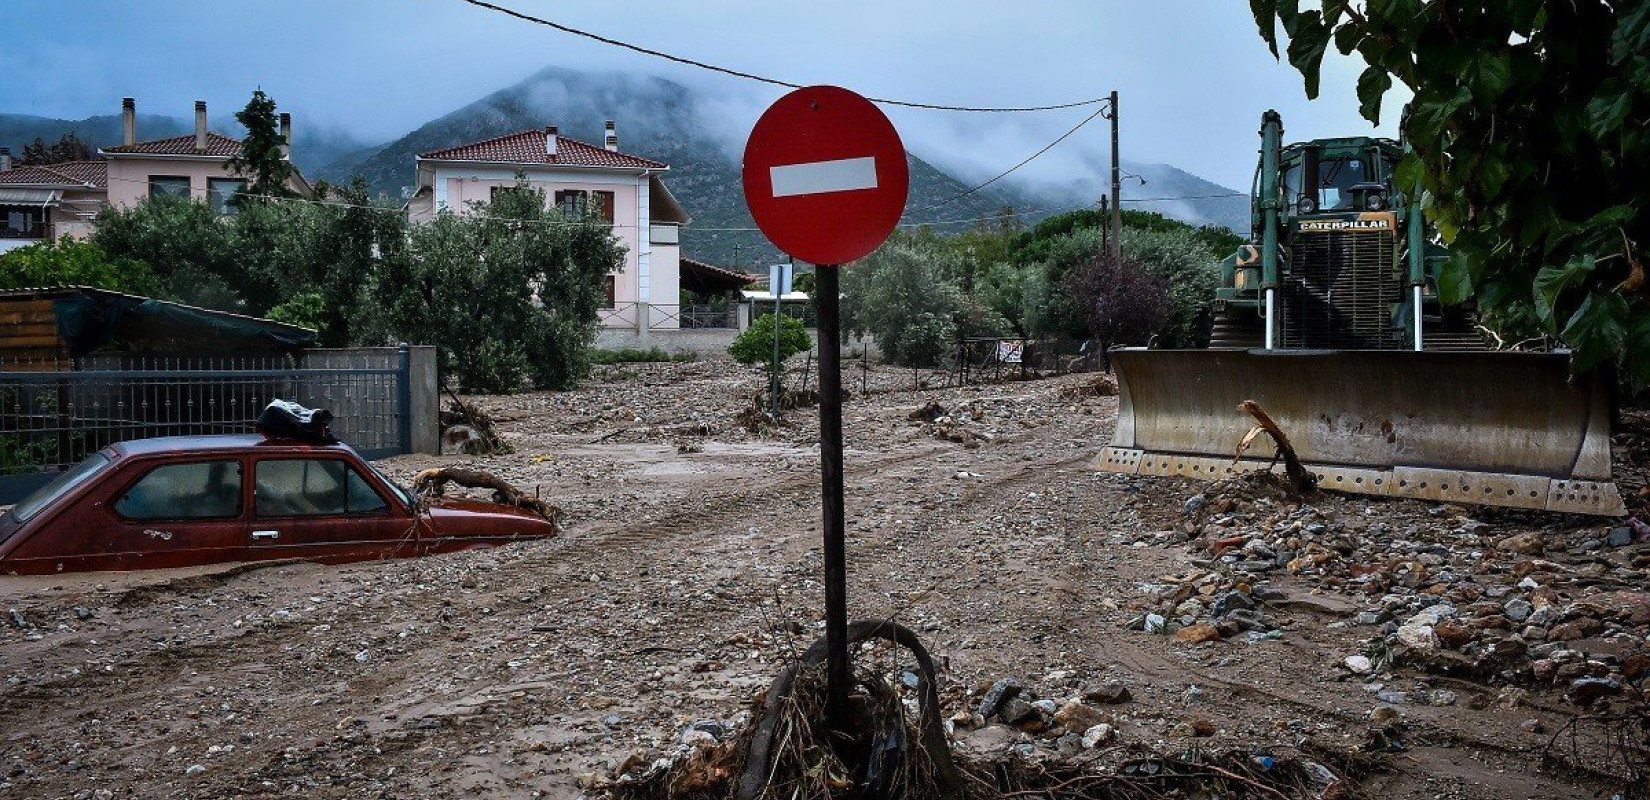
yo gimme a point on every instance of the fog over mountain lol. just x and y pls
(700, 132)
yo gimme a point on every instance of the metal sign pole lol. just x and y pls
(837, 675)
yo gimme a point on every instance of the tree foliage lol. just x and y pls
(262, 159)
(509, 292)
(1120, 299)
(73, 262)
(906, 296)
(68, 147)
(1530, 130)
(755, 344)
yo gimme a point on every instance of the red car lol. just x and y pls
(184, 501)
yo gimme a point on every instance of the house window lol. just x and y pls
(604, 205)
(22, 222)
(610, 286)
(169, 186)
(219, 191)
(573, 202)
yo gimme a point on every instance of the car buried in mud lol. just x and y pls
(187, 501)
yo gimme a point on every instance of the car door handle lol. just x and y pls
(257, 535)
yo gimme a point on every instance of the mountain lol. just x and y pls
(658, 119)
(311, 146)
(699, 135)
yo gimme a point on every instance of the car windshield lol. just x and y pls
(59, 486)
(394, 487)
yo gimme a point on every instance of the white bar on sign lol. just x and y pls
(819, 177)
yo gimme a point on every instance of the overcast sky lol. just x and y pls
(1193, 75)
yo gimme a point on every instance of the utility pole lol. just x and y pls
(1105, 223)
(1116, 185)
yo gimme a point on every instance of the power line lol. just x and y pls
(647, 51)
(1183, 197)
(1005, 173)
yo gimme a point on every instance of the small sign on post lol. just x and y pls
(779, 284)
(826, 180)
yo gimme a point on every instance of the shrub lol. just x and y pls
(755, 344)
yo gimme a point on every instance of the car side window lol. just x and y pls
(201, 490)
(306, 487)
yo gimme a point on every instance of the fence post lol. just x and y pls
(404, 396)
(643, 323)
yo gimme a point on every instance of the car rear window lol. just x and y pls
(305, 487)
(59, 486)
(198, 490)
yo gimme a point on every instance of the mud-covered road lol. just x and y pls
(688, 574)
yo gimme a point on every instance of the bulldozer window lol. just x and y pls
(1339, 176)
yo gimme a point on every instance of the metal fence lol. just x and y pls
(986, 359)
(53, 414)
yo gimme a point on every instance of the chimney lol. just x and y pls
(200, 124)
(550, 135)
(5, 159)
(286, 135)
(128, 121)
(612, 137)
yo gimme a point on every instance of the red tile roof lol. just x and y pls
(68, 173)
(527, 147)
(216, 145)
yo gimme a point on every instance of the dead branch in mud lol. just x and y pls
(1299, 478)
(432, 482)
(468, 429)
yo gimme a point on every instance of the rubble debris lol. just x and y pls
(467, 429)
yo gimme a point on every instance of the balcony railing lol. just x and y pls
(659, 316)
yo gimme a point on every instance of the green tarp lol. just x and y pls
(88, 320)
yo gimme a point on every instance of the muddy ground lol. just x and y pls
(689, 573)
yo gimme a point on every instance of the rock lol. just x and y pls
(1517, 609)
(1196, 727)
(1620, 537)
(1532, 725)
(1046, 707)
(1453, 634)
(1436, 697)
(1586, 691)
(1154, 623)
(1099, 735)
(1529, 544)
(17, 618)
(194, 769)
(1108, 694)
(1000, 691)
(1189, 608)
(697, 738)
(1384, 716)
(1202, 632)
(1367, 618)
(1359, 665)
(1574, 629)
(1417, 637)
(1078, 716)
(1015, 710)
(1232, 601)
(1193, 503)
(82, 613)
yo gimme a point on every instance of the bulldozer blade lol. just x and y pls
(1491, 428)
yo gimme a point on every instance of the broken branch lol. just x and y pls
(1299, 478)
(432, 482)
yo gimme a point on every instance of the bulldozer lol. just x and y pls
(1329, 318)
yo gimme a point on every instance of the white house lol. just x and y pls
(627, 190)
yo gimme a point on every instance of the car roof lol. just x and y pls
(161, 445)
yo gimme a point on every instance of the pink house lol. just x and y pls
(182, 166)
(45, 202)
(40, 203)
(626, 190)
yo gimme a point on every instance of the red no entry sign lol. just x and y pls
(825, 175)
